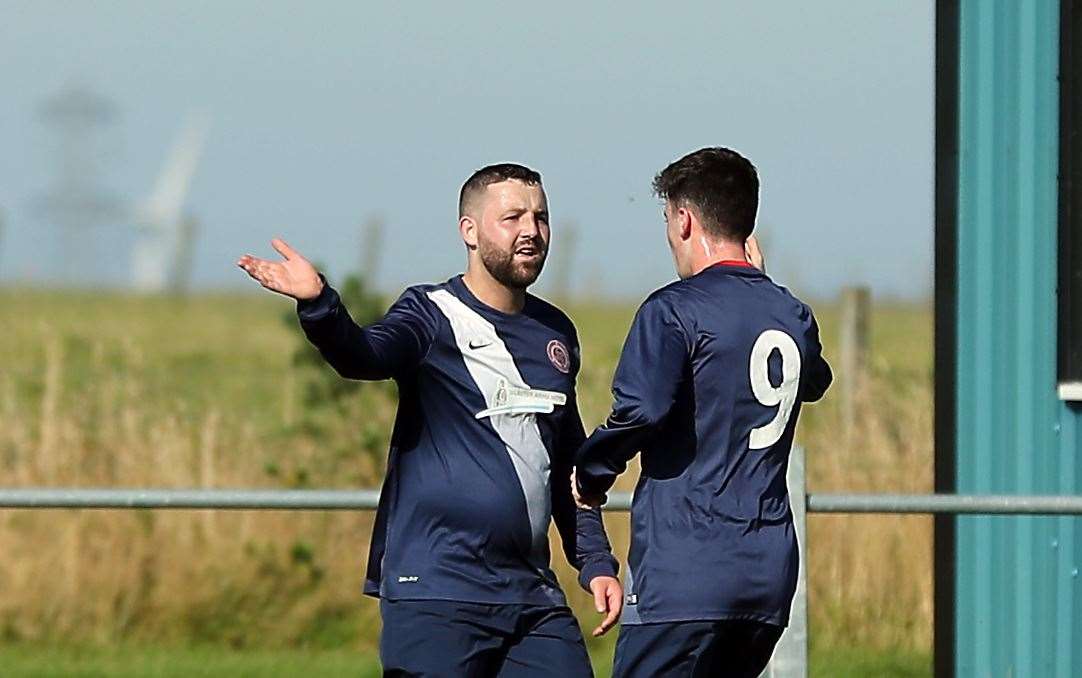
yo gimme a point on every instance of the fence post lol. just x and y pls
(372, 232)
(791, 655)
(853, 346)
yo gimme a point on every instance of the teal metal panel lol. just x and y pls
(1018, 599)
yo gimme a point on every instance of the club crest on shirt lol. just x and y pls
(559, 356)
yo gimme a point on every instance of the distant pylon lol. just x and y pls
(77, 201)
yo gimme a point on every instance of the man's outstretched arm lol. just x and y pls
(385, 349)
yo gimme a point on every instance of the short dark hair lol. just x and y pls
(720, 183)
(494, 174)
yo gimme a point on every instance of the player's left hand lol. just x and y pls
(608, 600)
(753, 254)
(586, 503)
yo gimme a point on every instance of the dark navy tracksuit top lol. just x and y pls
(708, 387)
(482, 448)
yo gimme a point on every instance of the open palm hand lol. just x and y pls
(294, 276)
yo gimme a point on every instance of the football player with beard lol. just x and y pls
(481, 451)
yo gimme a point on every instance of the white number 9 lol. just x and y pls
(782, 396)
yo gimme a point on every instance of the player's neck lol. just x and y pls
(707, 253)
(492, 292)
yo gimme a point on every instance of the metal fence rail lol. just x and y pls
(58, 498)
(982, 504)
(112, 498)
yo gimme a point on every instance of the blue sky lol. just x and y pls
(324, 114)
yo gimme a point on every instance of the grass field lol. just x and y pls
(215, 661)
(210, 661)
(116, 390)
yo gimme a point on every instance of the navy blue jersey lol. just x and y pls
(709, 387)
(482, 447)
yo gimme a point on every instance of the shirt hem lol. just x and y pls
(542, 602)
(374, 590)
(764, 618)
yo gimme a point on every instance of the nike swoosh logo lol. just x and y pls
(477, 346)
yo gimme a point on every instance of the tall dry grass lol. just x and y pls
(871, 576)
(128, 391)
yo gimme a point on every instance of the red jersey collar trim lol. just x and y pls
(731, 262)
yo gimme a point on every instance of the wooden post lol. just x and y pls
(372, 232)
(567, 241)
(207, 471)
(853, 346)
(790, 658)
(180, 276)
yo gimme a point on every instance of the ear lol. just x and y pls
(683, 223)
(467, 228)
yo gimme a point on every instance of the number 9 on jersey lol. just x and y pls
(782, 396)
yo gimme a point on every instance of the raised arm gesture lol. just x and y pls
(294, 277)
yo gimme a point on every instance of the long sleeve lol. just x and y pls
(644, 389)
(582, 532)
(392, 346)
(817, 377)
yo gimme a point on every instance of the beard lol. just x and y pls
(502, 265)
